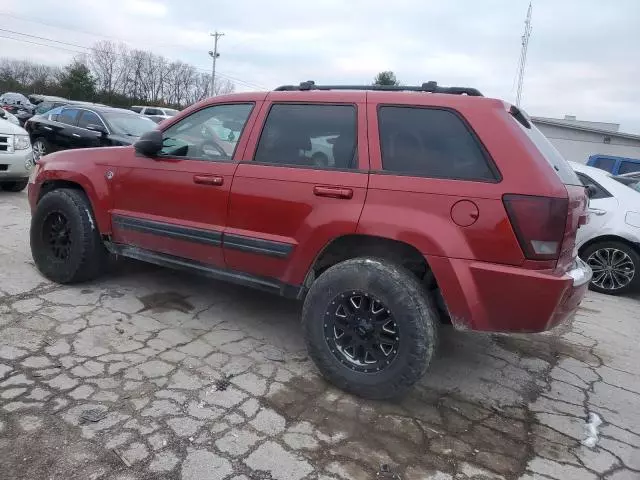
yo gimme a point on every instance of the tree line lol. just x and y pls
(116, 75)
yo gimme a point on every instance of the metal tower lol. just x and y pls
(523, 54)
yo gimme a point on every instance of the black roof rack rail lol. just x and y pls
(430, 87)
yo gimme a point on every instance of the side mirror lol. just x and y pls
(97, 128)
(592, 191)
(149, 144)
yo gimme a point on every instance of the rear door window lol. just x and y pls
(68, 116)
(430, 142)
(600, 192)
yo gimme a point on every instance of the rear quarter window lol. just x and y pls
(431, 142)
(550, 153)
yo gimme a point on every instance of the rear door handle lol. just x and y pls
(597, 211)
(75, 135)
(333, 192)
(215, 180)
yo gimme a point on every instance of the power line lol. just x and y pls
(228, 77)
(42, 44)
(42, 38)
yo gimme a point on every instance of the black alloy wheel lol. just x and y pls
(361, 332)
(56, 233)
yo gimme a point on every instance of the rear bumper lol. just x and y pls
(501, 298)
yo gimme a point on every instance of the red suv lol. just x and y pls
(388, 210)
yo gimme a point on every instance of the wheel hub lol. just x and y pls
(57, 235)
(361, 332)
(612, 269)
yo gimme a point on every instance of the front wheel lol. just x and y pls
(615, 265)
(15, 186)
(40, 147)
(370, 327)
(65, 243)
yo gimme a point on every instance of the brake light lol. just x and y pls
(539, 224)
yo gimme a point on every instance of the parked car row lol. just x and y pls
(84, 126)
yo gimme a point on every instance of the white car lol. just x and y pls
(157, 114)
(16, 157)
(610, 241)
(9, 116)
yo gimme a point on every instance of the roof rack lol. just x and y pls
(429, 87)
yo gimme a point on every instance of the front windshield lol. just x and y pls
(129, 124)
(633, 183)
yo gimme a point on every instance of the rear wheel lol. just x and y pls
(370, 327)
(65, 243)
(15, 186)
(615, 265)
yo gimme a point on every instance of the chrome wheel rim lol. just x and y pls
(361, 332)
(612, 269)
(39, 150)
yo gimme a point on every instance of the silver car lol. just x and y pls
(16, 157)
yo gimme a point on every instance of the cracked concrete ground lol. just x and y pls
(150, 374)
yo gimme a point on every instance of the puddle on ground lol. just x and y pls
(165, 301)
(424, 432)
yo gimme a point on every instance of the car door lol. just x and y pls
(176, 202)
(89, 136)
(602, 207)
(66, 133)
(286, 206)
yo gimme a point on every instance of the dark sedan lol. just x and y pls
(74, 126)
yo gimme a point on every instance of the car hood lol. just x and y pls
(8, 128)
(124, 139)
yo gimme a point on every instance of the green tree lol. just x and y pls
(386, 78)
(77, 82)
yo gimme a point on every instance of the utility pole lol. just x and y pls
(214, 55)
(523, 54)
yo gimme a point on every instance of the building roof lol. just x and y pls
(583, 126)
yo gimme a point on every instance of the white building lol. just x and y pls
(578, 139)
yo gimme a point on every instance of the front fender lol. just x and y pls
(89, 178)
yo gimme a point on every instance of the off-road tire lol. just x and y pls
(634, 285)
(87, 255)
(413, 312)
(14, 186)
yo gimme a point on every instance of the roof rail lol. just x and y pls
(430, 87)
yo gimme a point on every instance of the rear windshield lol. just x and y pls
(549, 152)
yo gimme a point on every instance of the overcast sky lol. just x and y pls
(584, 55)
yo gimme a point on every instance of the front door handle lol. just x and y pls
(333, 192)
(215, 180)
(75, 135)
(597, 211)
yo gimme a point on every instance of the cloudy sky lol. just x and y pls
(584, 55)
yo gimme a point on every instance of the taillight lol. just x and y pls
(539, 223)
